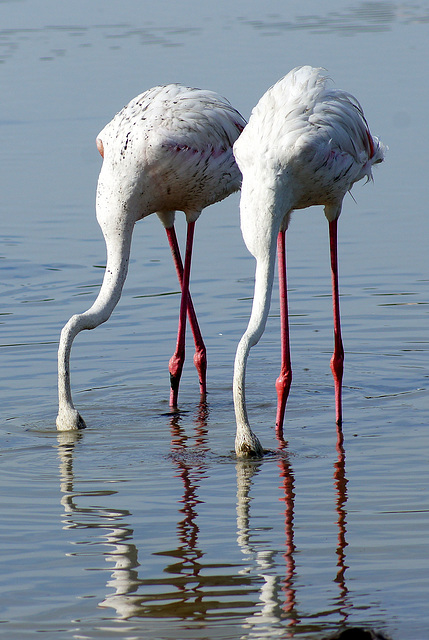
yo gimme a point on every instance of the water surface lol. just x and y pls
(145, 525)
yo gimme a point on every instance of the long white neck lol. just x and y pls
(118, 245)
(264, 276)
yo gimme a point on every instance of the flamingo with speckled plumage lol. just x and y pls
(168, 150)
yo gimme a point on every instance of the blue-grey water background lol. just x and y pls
(145, 525)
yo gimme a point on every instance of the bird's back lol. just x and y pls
(175, 144)
(313, 135)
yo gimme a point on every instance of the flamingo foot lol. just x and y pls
(174, 393)
(175, 367)
(200, 362)
(337, 367)
(69, 420)
(283, 384)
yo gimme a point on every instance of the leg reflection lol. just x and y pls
(190, 463)
(341, 490)
(288, 496)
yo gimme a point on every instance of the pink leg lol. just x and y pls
(200, 357)
(337, 361)
(284, 380)
(178, 358)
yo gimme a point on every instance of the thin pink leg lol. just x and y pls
(178, 358)
(200, 357)
(284, 380)
(337, 360)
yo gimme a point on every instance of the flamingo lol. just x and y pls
(306, 144)
(168, 150)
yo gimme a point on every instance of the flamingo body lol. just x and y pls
(169, 149)
(306, 144)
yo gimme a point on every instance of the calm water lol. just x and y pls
(145, 525)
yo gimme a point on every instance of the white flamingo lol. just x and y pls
(169, 149)
(305, 144)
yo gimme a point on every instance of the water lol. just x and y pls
(145, 525)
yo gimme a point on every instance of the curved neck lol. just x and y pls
(118, 251)
(118, 247)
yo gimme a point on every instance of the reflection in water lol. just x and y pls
(287, 486)
(262, 590)
(191, 475)
(341, 489)
(122, 552)
(277, 596)
(277, 614)
(192, 590)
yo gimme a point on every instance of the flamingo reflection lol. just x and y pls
(190, 588)
(278, 611)
(263, 590)
(277, 594)
(123, 553)
(191, 472)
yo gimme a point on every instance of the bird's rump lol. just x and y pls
(314, 139)
(174, 144)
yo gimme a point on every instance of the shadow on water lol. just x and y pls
(259, 596)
